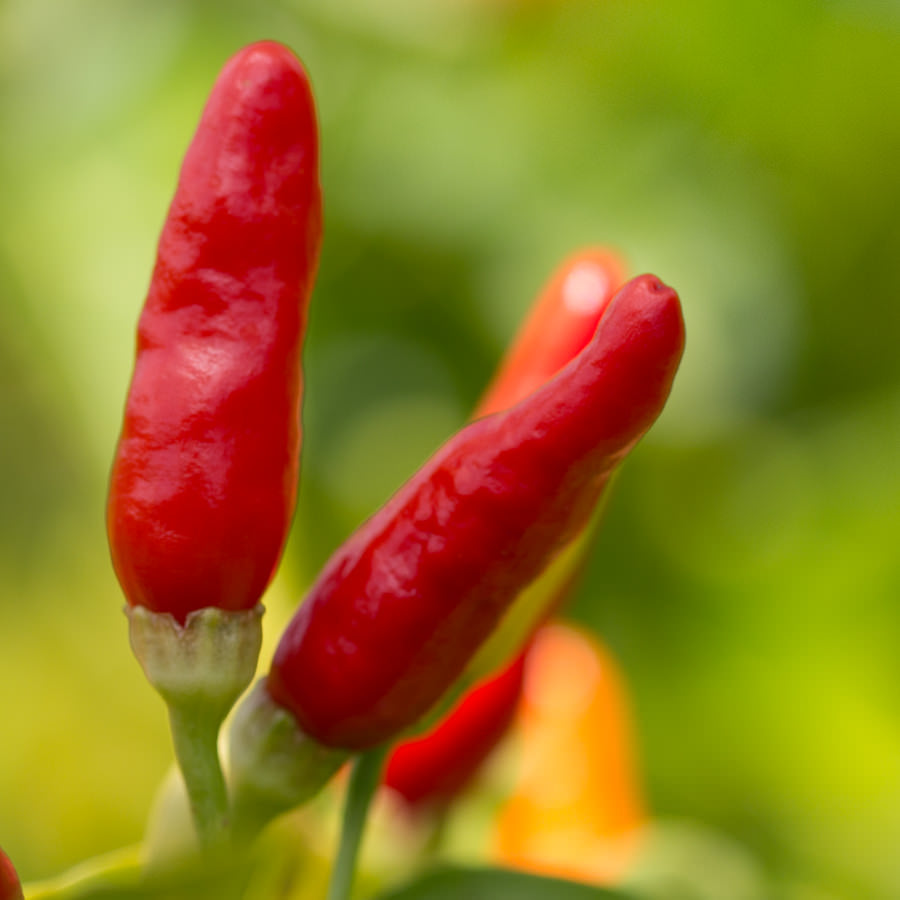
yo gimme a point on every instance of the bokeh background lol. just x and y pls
(747, 574)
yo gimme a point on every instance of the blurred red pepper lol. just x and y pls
(576, 811)
(403, 605)
(10, 888)
(429, 770)
(204, 481)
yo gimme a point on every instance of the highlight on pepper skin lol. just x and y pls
(576, 810)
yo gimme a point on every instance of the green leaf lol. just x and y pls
(497, 884)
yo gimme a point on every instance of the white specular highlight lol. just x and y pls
(585, 287)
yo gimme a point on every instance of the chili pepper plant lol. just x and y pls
(411, 644)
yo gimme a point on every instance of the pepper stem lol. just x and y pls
(195, 738)
(364, 780)
(199, 667)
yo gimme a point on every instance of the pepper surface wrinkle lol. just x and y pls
(402, 606)
(204, 480)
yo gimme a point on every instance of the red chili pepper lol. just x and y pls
(428, 771)
(403, 605)
(204, 481)
(431, 770)
(10, 888)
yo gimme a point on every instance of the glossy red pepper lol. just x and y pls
(10, 888)
(429, 770)
(402, 606)
(204, 480)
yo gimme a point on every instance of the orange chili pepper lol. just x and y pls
(559, 326)
(577, 809)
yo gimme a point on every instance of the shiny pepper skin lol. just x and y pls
(427, 771)
(204, 479)
(402, 606)
(10, 889)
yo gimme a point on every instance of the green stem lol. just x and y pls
(363, 783)
(195, 736)
(117, 870)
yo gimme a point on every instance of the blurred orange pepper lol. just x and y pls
(576, 811)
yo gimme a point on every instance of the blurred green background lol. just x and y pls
(747, 574)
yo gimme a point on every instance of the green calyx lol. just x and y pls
(274, 765)
(207, 662)
(200, 669)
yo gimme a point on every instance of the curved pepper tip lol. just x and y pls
(265, 52)
(657, 305)
(654, 284)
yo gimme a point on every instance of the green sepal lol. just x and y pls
(207, 662)
(274, 765)
(200, 669)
